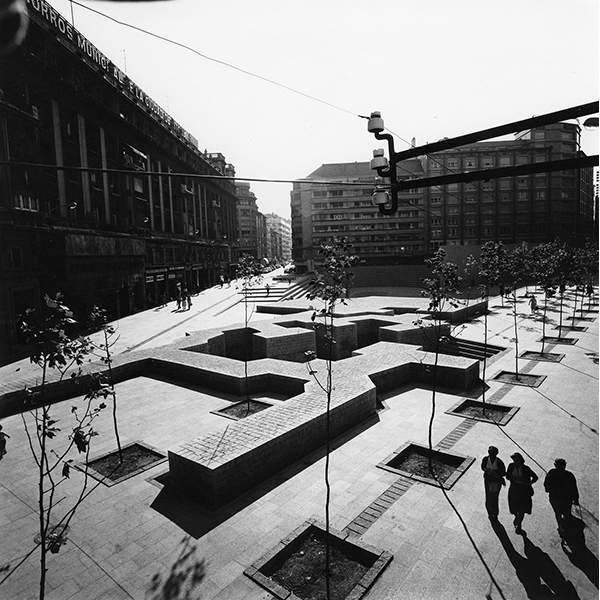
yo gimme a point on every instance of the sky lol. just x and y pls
(433, 69)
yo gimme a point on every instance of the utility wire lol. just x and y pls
(217, 60)
(135, 172)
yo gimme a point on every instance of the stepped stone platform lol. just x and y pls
(376, 351)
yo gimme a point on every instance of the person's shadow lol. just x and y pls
(573, 545)
(539, 576)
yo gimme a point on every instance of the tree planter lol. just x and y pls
(412, 460)
(480, 411)
(295, 568)
(242, 409)
(542, 357)
(137, 458)
(560, 340)
(525, 379)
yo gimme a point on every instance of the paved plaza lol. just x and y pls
(126, 534)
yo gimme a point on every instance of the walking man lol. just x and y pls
(493, 480)
(561, 487)
(268, 288)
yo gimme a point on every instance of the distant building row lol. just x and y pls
(532, 208)
(263, 236)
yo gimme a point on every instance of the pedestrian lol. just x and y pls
(493, 480)
(533, 304)
(268, 288)
(3, 437)
(561, 487)
(521, 479)
(222, 280)
(178, 300)
(189, 299)
(183, 299)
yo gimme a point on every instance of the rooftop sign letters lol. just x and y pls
(40, 10)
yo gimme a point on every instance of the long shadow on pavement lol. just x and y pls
(539, 576)
(197, 520)
(573, 545)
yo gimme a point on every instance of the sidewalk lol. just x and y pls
(213, 307)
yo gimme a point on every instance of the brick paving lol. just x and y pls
(132, 531)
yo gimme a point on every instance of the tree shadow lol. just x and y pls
(540, 577)
(573, 545)
(183, 577)
(197, 520)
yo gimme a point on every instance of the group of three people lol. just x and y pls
(559, 483)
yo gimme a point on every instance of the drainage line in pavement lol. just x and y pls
(578, 370)
(565, 410)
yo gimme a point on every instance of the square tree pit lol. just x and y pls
(526, 379)
(137, 458)
(478, 411)
(412, 460)
(295, 568)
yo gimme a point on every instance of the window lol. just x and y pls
(338, 217)
(522, 182)
(138, 185)
(488, 162)
(26, 202)
(522, 159)
(435, 221)
(435, 199)
(320, 194)
(470, 187)
(470, 163)
(523, 196)
(436, 233)
(540, 195)
(452, 187)
(452, 220)
(452, 163)
(539, 135)
(487, 185)
(470, 199)
(336, 192)
(505, 161)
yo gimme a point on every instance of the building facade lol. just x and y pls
(320, 212)
(279, 239)
(121, 239)
(532, 208)
(250, 222)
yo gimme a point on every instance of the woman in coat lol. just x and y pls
(521, 479)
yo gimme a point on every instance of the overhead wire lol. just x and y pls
(216, 60)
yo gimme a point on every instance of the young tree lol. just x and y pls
(514, 267)
(56, 346)
(249, 272)
(563, 257)
(99, 320)
(332, 286)
(441, 288)
(489, 277)
(544, 274)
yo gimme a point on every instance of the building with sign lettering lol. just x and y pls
(111, 226)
